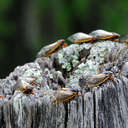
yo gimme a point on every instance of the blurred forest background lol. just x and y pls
(28, 25)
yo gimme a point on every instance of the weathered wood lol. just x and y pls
(105, 106)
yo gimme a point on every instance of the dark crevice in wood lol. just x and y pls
(94, 109)
(83, 109)
(2, 120)
(32, 124)
(59, 67)
(84, 55)
(66, 115)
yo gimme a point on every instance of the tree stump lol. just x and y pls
(105, 106)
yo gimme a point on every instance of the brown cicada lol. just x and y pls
(65, 94)
(80, 37)
(91, 81)
(49, 49)
(104, 35)
(25, 87)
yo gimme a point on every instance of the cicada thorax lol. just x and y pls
(58, 46)
(50, 49)
(65, 94)
(80, 37)
(105, 35)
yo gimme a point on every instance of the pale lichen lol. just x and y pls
(98, 51)
(32, 70)
(69, 57)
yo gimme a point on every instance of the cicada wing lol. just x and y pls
(83, 41)
(100, 82)
(64, 100)
(53, 49)
(105, 37)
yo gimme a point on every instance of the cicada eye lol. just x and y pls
(64, 45)
(60, 41)
(107, 72)
(75, 90)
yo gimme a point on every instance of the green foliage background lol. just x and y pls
(26, 26)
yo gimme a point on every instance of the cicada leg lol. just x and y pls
(116, 40)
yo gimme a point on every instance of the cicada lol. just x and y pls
(124, 69)
(49, 49)
(23, 86)
(80, 37)
(65, 94)
(105, 35)
(95, 80)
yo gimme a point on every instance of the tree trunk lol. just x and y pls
(105, 106)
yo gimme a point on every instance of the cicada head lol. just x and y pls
(64, 45)
(115, 37)
(77, 91)
(61, 43)
(109, 74)
(28, 90)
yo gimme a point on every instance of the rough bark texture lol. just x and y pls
(105, 106)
